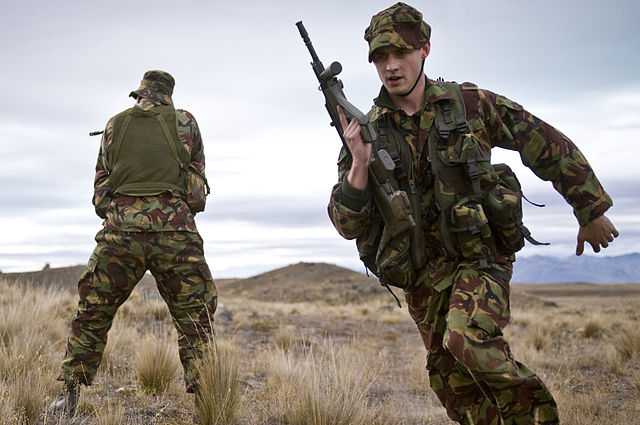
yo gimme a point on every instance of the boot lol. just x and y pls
(67, 403)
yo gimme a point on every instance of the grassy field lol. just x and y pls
(308, 344)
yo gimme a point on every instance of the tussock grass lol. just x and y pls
(627, 342)
(614, 361)
(289, 337)
(7, 413)
(540, 337)
(157, 364)
(593, 328)
(218, 400)
(29, 395)
(325, 387)
(28, 320)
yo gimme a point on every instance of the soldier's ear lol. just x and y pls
(426, 49)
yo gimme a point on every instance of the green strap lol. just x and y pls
(173, 142)
(170, 140)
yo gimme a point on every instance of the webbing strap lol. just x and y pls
(474, 176)
(446, 113)
(170, 140)
(527, 235)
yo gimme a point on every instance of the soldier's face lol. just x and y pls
(397, 68)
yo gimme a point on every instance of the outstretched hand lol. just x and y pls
(598, 232)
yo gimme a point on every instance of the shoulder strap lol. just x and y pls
(450, 118)
(172, 141)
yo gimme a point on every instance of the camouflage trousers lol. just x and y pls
(471, 368)
(119, 261)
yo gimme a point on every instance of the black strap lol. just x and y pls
(386, 285)
(417, 80)
(527, 235)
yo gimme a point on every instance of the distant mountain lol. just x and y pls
(588, 269)
(336, 285)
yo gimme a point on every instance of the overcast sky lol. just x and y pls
(242, 69)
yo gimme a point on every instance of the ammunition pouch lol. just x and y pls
(197, 189)
(387, 256)
(470, 226)
(393, 203)
(503, 205)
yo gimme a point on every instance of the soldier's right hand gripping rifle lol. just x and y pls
(392, 202)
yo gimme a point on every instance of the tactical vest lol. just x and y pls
(479, 204)
(147, 157)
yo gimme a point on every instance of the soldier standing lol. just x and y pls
(455, 263)
(149, 184)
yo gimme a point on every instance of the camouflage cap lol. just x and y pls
(156, 85)
(400, 25)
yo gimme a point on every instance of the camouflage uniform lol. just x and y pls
(459, 306)
(156, 233)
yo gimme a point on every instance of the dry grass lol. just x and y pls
(310, 362)
(627, 342)
(219, 399)
(110, 414)
(324, 387)
(157, 364)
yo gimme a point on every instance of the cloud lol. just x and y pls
(244, 72)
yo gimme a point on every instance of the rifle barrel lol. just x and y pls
(307, 41)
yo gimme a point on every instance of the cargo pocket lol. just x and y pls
(85, 282)
(491, 311)
(208, 292)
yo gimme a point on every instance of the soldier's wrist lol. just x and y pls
(352, 197)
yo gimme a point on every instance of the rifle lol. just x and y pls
(393, 203)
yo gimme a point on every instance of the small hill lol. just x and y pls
(65, 277)
(306, 282)
(294, 283)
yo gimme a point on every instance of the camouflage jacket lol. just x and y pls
(496, 121)
(164, 212)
